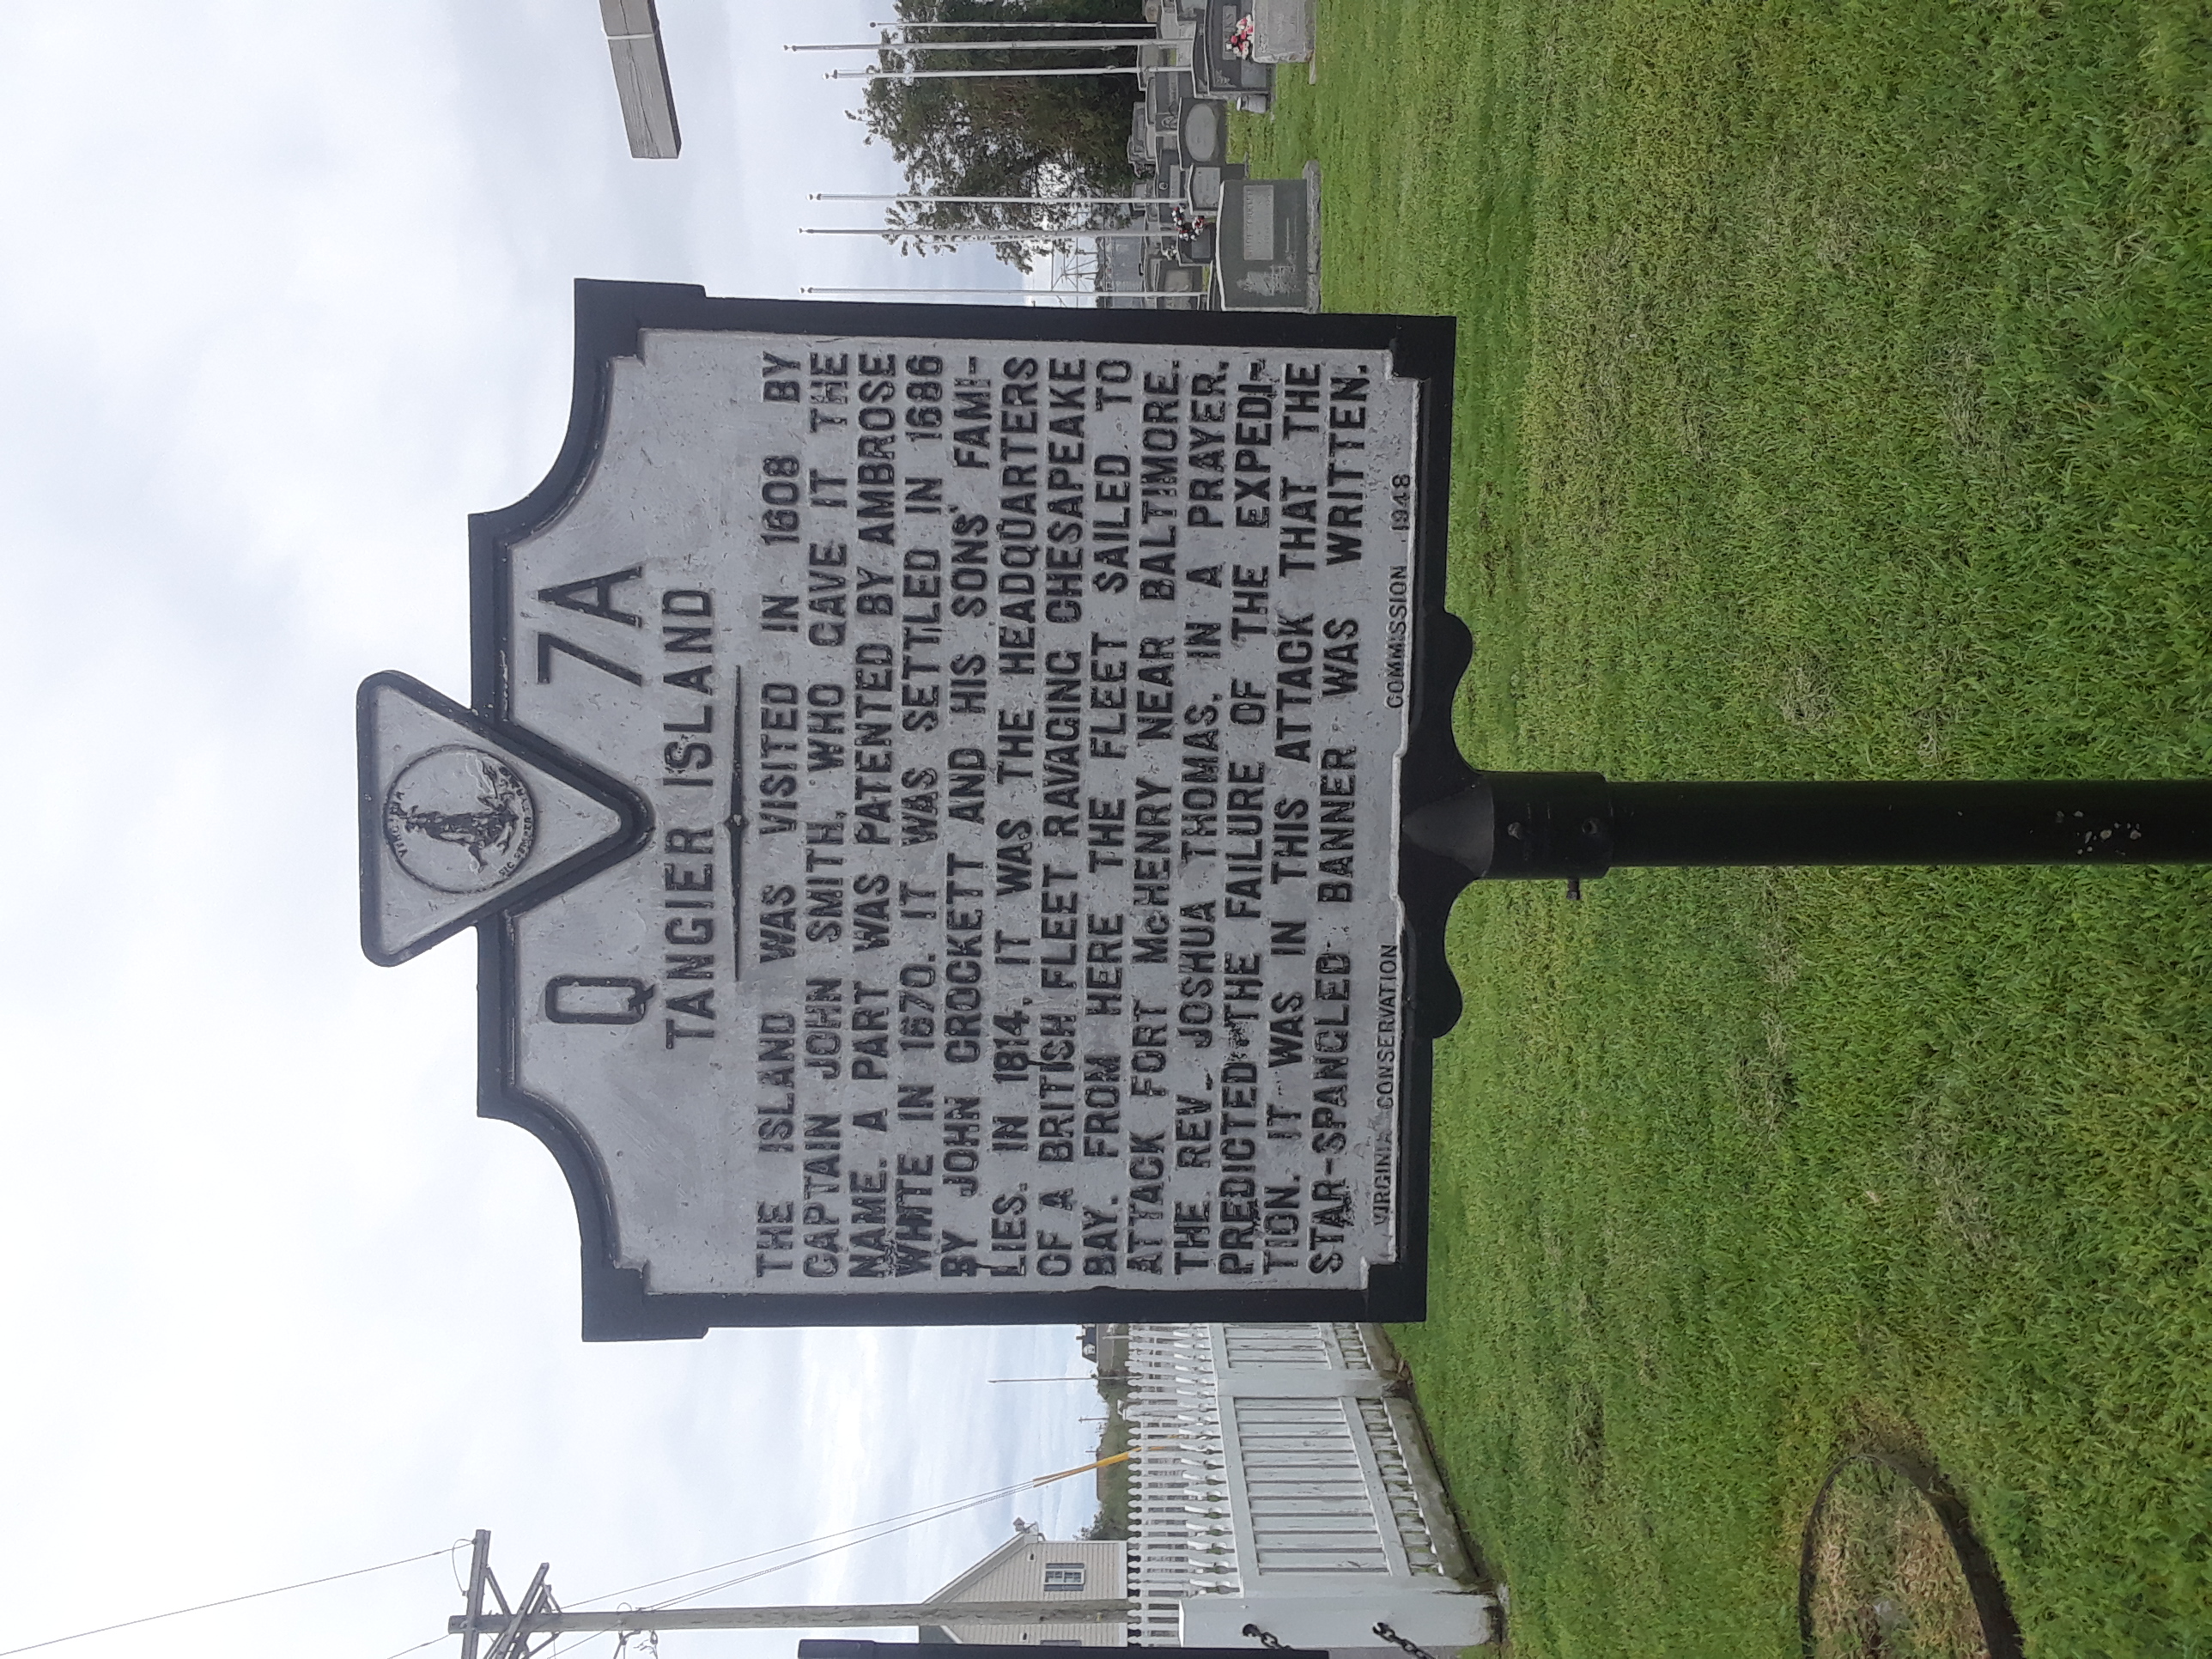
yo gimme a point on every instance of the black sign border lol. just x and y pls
(618, 1304)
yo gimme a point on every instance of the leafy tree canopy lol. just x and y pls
(1058, 135)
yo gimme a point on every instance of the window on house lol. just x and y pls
(1063, 1575)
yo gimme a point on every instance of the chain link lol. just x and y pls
(1398, 1641)
(1266, 1639)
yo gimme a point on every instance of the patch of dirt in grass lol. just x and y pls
(1586, 1438)
(1887, 1583)
(1806, 701)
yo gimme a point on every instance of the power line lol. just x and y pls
(890, 1528)
(978, 45)
(227, 1600)
(930, 1511)
(1065, 23)
(874, 1531)
(896, 1525)
(538, 1615)
(979, 75)
(850, 1543)
(842, 1538)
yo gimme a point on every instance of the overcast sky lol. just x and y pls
(286, 296)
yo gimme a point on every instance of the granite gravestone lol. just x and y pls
(1267, 255)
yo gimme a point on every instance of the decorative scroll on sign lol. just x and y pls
(931, 800)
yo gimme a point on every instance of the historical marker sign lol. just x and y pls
(930, 802)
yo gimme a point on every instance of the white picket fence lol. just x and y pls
(1278, 1479)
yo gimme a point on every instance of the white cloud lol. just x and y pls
(288, 297)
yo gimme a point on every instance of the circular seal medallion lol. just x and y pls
(459, 820)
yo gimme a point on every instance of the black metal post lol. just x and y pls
(827, 1649)
(1535, 826)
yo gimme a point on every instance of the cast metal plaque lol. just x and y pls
(929, 804)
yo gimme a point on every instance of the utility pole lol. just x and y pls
(641, 64)
(1013, 296)
(981, 45)
(1001, 201)
(515, 1631)
(1115, 234)
(978, 75)
(529, 1626)
(1064, 23)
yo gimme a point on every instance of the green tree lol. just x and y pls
(1066, 135)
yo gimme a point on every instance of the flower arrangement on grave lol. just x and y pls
(1243, 37)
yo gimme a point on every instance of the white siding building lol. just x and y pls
(1280, 1478)
(1030, 1567)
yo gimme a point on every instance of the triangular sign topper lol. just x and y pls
(462, 819)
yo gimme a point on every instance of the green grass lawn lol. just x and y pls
(1835, 401)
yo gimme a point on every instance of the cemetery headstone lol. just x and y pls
(1283, 30)
(1205, 184)
(1203, 126)
(1220, 71)
(1166, 92)
(1140, 139)
(1268, 249)
(1166, 275)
